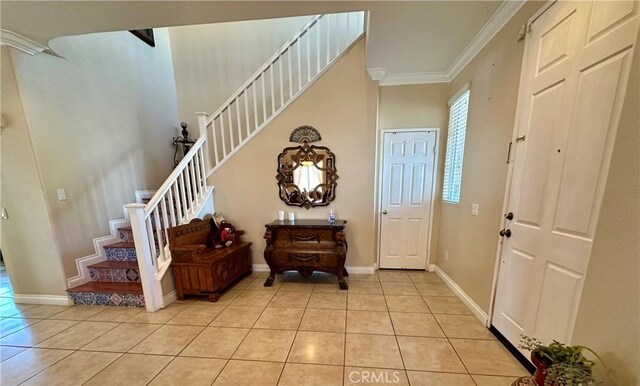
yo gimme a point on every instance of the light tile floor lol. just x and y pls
(390, 328)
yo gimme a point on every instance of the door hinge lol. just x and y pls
(434, 149)
(509, 153)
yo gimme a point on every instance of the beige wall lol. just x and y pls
(609, 314)
(211, 61)
(28, 244)
(342, 106)
(101, 120)
(419, 106)
(471, 241)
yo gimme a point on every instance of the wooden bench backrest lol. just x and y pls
(194, 233)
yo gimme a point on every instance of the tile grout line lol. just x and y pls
(294, 336)
(395, 336)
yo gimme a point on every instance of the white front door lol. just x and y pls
(575, 71)
(407, 185)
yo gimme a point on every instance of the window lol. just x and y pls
(458, 107)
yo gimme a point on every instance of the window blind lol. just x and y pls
(455, 148)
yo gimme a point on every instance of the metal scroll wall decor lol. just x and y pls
(306, 173)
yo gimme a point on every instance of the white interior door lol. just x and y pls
(407, 189)
(577, 61)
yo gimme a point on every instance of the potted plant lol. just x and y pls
(558, 364)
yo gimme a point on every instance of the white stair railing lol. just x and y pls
(176, 202)
(283, 77)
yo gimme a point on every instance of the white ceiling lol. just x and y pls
(405, 37)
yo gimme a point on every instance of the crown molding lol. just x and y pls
(19, 42)
(493, 26)
(415, 78)
(498, 20)
(377, 73)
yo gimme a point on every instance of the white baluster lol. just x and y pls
(328, 24)
(202, 128)
(165, 218)
(239, 120)
(214, 136)
(152, 243)
(308, 35)
(223, 136)
(203, 181)
(255, 106)
(264, 99)
(318, 31)
(188, 187)
(233, 141)
(246, 112)
(194, 187)
(281, 62)
(338, 34)
(298, 51)
(177, 203)
(183, 197)
(273, 97)
(172, 210)
(159, 240)
(290, 62)
(191, 187)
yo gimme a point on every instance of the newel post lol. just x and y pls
(202, 130)
(143, 253)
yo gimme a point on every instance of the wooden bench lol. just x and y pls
(202, 270)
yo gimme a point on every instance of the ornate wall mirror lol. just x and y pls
(306, 173)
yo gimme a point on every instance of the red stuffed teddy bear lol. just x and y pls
(225, 235)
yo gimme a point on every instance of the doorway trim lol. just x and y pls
(378, 193)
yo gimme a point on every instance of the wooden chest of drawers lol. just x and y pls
(306, 246)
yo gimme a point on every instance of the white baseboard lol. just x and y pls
(362, 269)
(57, 300)
(367, 270)
(466, 299)
(431, 268)
(169, 298)
(260, 267)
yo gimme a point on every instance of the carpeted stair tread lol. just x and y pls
(115, 264)
(102, 286)
(121, 245)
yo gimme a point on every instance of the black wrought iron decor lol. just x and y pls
(183, 141)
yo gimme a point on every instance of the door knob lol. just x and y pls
(384, 211)
(509, 216)
(505, 232)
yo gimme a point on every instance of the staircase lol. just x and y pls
(115, 281)
(277, 83)
(135, 266)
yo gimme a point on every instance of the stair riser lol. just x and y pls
(108, 299)
(126, 235)
(121, 254)
(119, 275)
